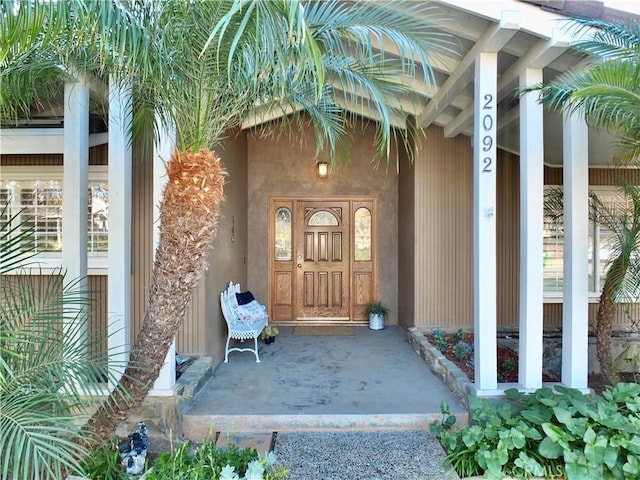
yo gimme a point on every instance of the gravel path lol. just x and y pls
(379, 455)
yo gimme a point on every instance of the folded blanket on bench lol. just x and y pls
(251, 311)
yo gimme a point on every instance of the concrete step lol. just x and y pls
(261, 441)
(198, 428)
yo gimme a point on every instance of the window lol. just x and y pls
(283, 234)
(599, 250)
(362, 239)
(323, 218)
(36, 195)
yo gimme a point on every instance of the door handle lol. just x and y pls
(299, 265)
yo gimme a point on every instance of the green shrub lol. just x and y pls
(212, 462)
(509, 365)
(439, 339)
(105, 463)
(549, 433)
(458, 336)
(462, 350)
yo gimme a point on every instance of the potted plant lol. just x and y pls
(269, 334)
(376, 311)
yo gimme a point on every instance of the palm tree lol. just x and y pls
(200, 67)
(607, 94)
(622, 280)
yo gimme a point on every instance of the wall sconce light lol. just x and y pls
(323, 169)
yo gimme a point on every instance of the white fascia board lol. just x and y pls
(31, 140)
(96, 139)
(533, 19)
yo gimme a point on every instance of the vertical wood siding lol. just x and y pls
(508, 238)
(141, 238)
(597, 176)
(31, 160)
(190, 337)
(444, 235)
(443, 220)
(98, 155)
(97, 319)
(99, 316)
(625, 317)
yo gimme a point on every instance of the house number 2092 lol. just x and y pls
(488, 122)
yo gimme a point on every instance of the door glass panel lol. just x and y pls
(362, 240)
(283, 234)
(323, 219)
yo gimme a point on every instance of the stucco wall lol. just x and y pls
(286, 165)
(227, 260)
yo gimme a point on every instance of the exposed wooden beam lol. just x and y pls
(397, 121)
(404, 103)
(494, 38)
(441, 62)
(540, 55)
(264, 114)
(460, 102)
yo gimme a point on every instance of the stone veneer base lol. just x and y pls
(445, 369)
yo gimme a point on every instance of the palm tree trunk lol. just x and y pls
(188, 220)
(604, 327)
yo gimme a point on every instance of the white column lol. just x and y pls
(484, 221)
(162, 153)
(575, 315)
(531, 233)
(74, 193)
(119, 260)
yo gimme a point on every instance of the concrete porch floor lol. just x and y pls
(372, 380)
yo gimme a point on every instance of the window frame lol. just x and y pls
(46, 261)
(553, 296)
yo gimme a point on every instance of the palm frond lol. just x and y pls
(622, 218)
(607, 93)
(17, 240)
(401, 32)
(49, 369)
(36, 437)
(48, 359)
(364, 47)
(605, 39)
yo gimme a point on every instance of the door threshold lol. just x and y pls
(320, 322)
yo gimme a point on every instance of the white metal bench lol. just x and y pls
(244, 322)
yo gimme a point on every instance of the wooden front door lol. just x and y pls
(322, 259)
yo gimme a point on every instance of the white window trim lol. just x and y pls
(47, 263)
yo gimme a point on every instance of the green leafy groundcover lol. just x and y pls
(552, 433)
(206, 462)
(212, 462)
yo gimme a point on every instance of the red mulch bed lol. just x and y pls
(507, 359)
